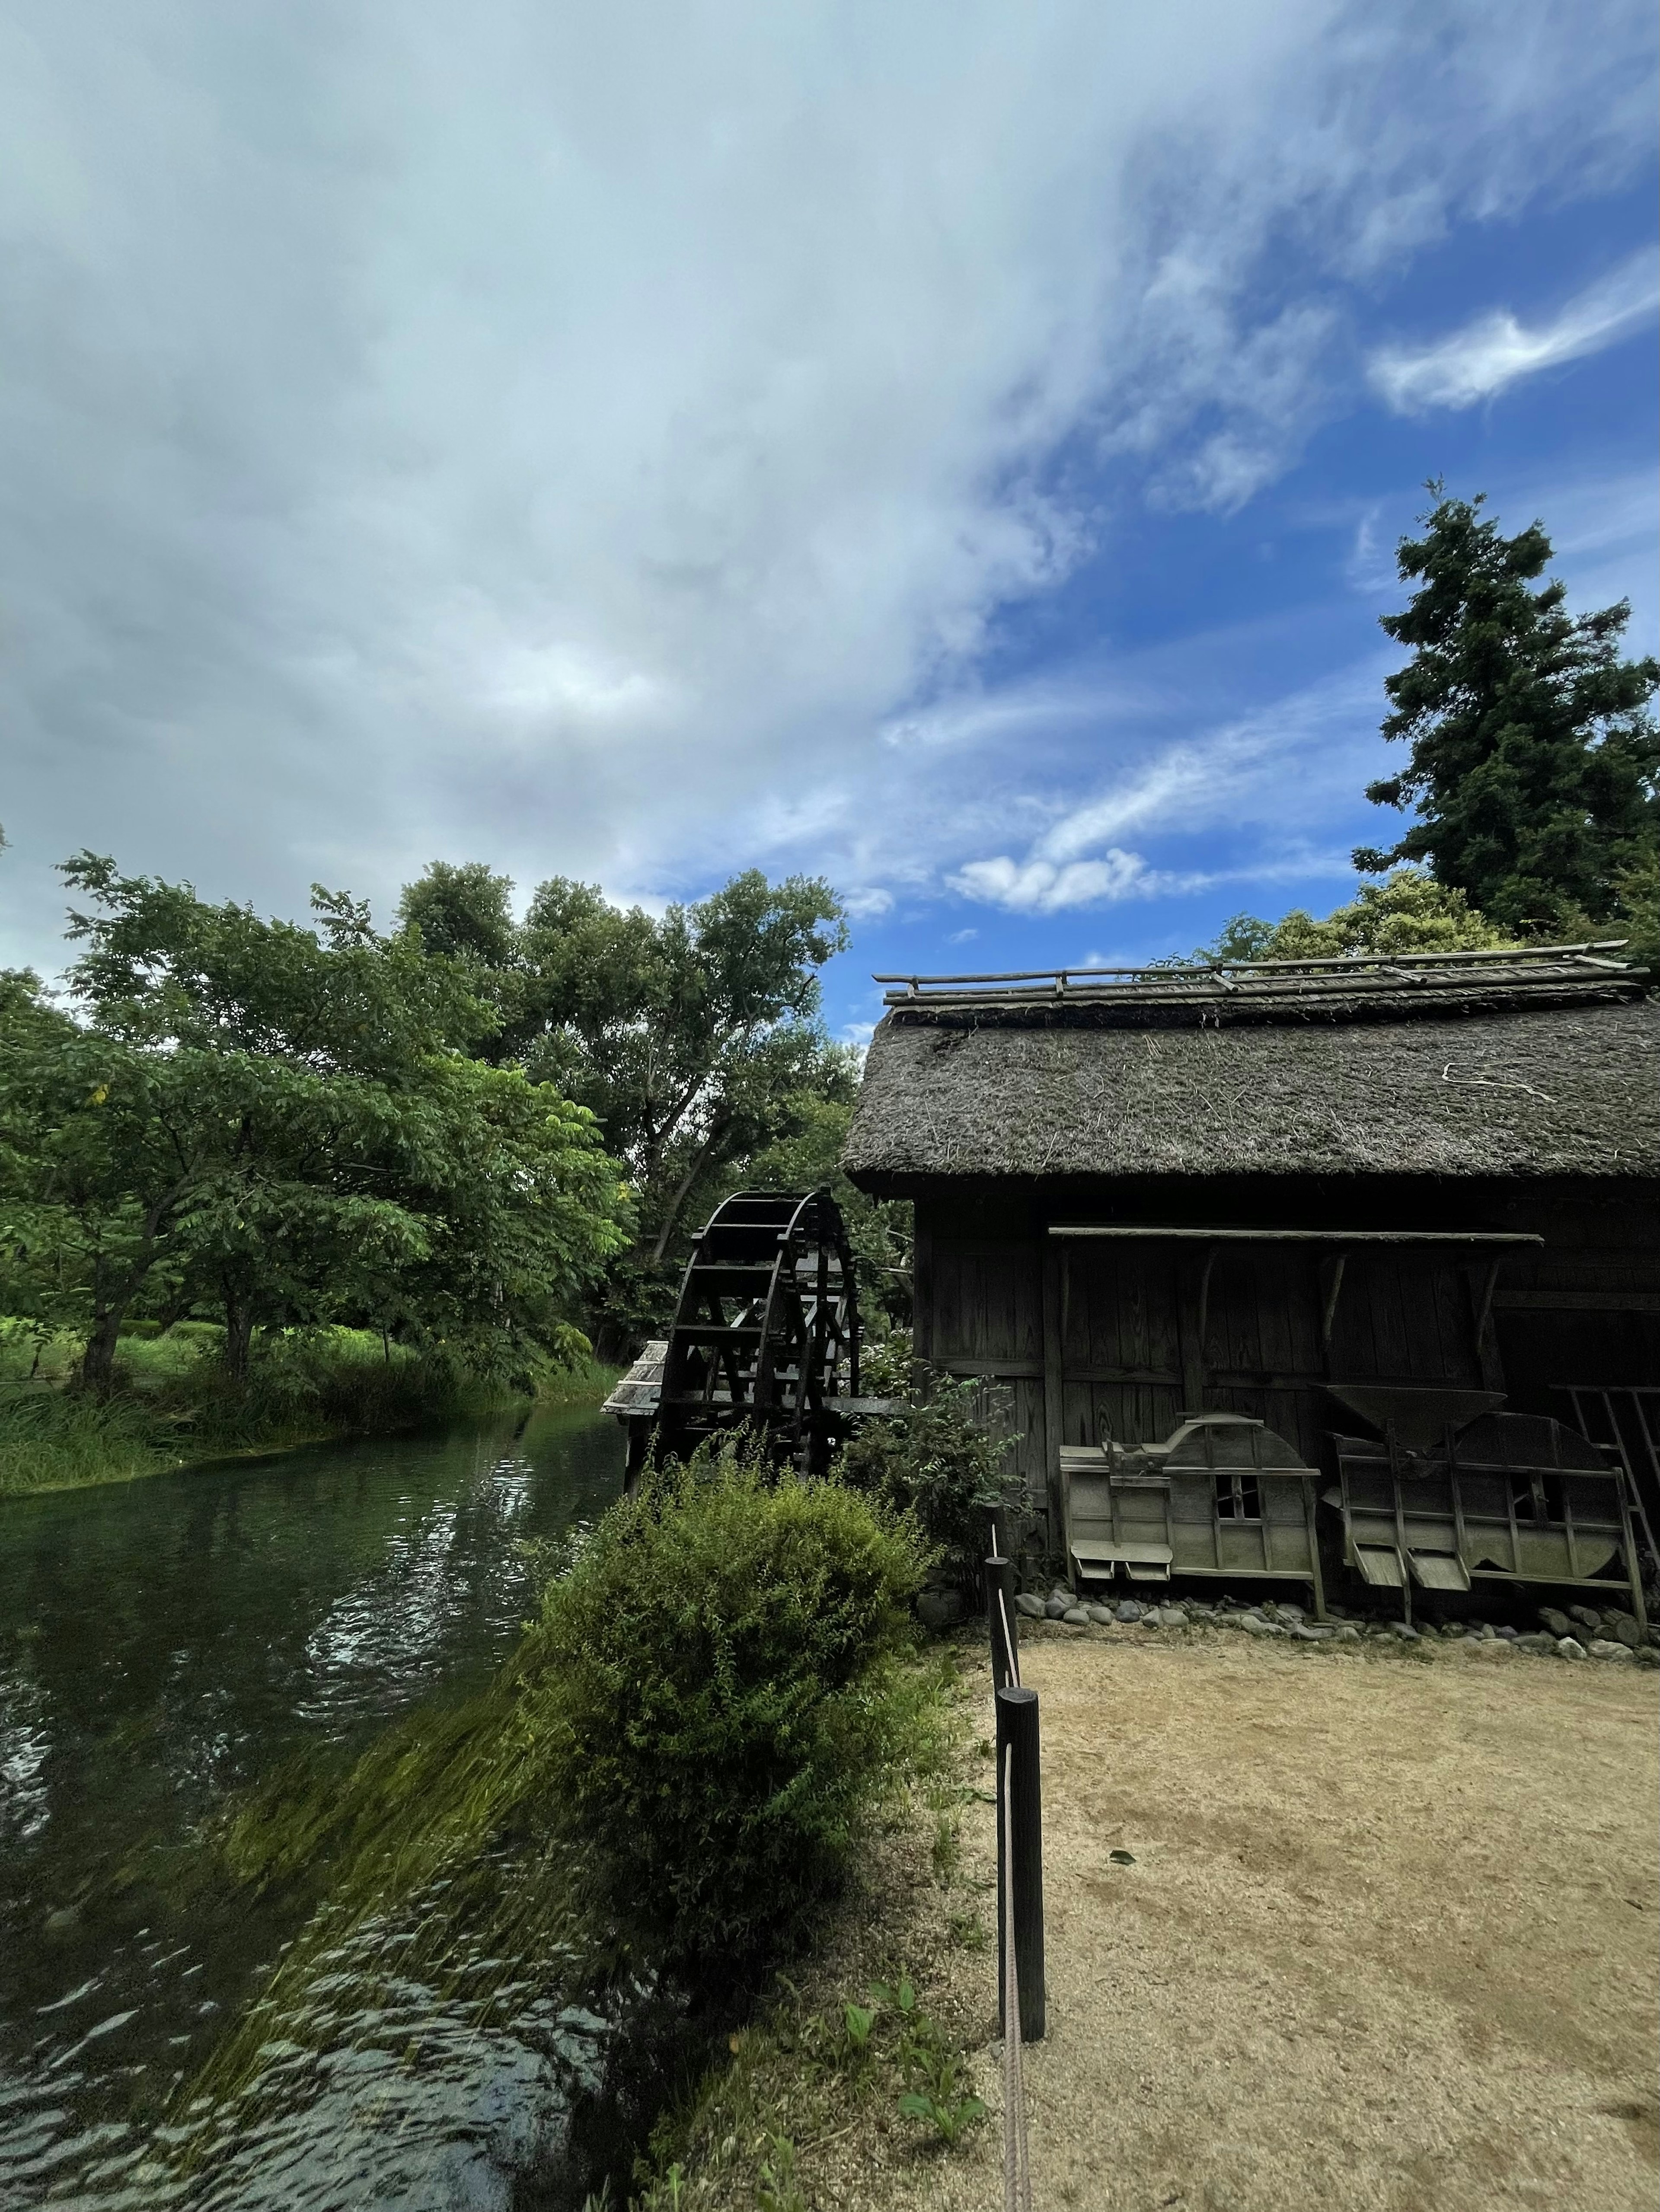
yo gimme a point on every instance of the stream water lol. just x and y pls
(164, 1644)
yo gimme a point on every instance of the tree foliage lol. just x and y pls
(282, 1125)
(693, 1037)
(1532, 758)
(879, 1230)
(1408, 912)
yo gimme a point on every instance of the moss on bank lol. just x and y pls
(174, 1407)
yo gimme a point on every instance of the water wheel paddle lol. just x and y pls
(766, 1331)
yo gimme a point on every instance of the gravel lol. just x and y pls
(1612, 1635)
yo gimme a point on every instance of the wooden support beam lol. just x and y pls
(1054, 1382)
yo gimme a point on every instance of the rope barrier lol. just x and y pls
(1016, 2171)
(1011, 1648)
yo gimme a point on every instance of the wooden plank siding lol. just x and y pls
(1083, 1339)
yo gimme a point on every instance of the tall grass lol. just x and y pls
(175, 1404)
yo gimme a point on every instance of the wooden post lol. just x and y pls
(1633, 1573)
(1311, 1521)
(1482, 1284)
(1017, 1774)
(1054, 1259)
(922, 1328)
(1001, 1617)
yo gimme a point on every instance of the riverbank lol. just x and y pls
(173, 1407)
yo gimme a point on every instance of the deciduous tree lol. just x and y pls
(284, 1123)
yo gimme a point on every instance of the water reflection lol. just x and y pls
(168, 1641)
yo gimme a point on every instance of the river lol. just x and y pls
(163, 1645)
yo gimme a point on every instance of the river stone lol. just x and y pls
(1646, 1655)
(1604, 1647)
(1403, 1630)
(1538, 1641)
(1076, 1616)
(1556, 1621)
(1511, 1635)
(1346, 1633)
(1030, 1604)
(1586, 1616)
(1127, 1609)
(1570, 1647)
(1055, 1608)
(1171, 1616)
(1102, 1615)
(64, 1921)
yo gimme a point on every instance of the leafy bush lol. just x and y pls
(938, 1461)
(720, 1663)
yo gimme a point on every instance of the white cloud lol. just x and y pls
(1040, 885)
(574, 435)
(864, 905)
(1496, 351)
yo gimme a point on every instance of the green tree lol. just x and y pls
(694, 1038)
(1533, 761)
(1408, 912)
(283, 1123)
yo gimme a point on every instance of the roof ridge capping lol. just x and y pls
(1511, 955)
(1517, 974)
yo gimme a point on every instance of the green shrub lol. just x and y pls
(721, 1658)
(938, 1461)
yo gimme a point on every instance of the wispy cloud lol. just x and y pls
(1497, 350)
(1272, 771)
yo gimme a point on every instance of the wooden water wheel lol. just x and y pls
(766, 1332)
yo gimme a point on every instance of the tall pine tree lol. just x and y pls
(1534, 758)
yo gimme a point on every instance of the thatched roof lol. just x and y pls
(1515, 1089)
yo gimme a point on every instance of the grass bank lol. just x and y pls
(864, 2083)
(174, 1407)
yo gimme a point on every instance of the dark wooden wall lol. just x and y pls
(1082, 1338)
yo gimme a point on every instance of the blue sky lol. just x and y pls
(957, 450)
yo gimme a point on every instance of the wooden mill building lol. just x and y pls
(1423, 1184)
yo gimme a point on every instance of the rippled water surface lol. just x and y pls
(167, 1642)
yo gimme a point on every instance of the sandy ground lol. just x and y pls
(1390, 1938)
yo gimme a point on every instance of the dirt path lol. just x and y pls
(1389, 1938)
